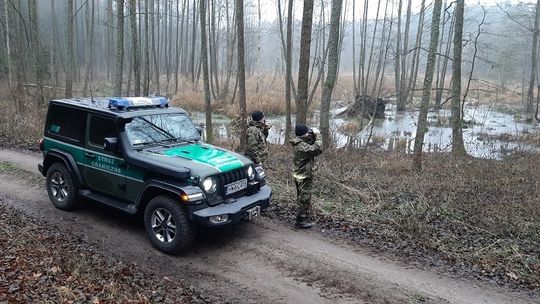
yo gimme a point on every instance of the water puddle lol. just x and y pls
(487, 133)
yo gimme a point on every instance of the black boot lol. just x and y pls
(302, 222)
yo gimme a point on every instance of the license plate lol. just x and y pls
(252, 213)
(236, 186)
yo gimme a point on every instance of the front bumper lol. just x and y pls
(235, 209)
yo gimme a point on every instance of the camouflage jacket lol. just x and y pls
(256, 148)
(304, 155)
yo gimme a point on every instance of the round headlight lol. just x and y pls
(209, 185)
(251, 172)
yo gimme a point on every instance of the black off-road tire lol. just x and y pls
(165, 209)
(61, 187)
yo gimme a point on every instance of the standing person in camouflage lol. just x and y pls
(257, 132)
(307, 145)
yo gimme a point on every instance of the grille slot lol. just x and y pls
(226, 178)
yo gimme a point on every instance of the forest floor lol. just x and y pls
(461, 232)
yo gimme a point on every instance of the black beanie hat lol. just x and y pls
(300, 130)
(257, 115)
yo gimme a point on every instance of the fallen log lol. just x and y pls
(371, 104)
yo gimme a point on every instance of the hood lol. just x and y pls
(203, 159)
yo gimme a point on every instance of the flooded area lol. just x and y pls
(487, 132)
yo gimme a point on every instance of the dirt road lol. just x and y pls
(261, 262)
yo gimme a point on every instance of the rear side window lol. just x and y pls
(67, 123)
(100, 128)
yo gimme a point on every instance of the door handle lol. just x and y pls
(89, 155)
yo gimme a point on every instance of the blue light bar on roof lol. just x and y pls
(137, 102)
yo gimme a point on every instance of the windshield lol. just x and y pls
(161, 127)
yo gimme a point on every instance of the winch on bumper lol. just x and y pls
(234, 209)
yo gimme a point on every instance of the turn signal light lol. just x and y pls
(184, 197)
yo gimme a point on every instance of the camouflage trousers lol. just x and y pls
(303, 196)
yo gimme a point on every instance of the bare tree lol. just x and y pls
(146, 77)
(534, 64)
(397, 69)
(119, 48)
(458, 147)
(90, 45)
(135, 46)
(428, 81)
(416, 53)
(39, 65)
(403, 92)
(288, 72)
(8, 42)
(241, 71)
(71, 55)
(206, 79)
(303, 69)
(328, 88)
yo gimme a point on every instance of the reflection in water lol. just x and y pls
(485, 131)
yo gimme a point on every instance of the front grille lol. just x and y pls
(228, 177)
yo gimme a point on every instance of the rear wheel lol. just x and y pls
(61, 187)
(167, 225)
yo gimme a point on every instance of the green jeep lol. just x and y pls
(138, 154)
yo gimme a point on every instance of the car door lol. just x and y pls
(104, 171)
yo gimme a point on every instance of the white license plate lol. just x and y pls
(236, 186)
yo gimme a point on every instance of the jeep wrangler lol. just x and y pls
(139, 155)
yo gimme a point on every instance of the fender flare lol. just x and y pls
(153, 187)
(51, 157)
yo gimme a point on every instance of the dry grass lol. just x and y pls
(474, 215)
(263, 92)
(350, 128)
(21, 123)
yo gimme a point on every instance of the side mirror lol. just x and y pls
(199, 129)
(111, 144)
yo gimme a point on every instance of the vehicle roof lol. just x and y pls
(101, 105)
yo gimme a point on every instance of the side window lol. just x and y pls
(100, 128)
(66, 122)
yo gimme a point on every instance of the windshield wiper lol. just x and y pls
(158, 128)
(178, 139)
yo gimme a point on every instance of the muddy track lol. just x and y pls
(261, 262)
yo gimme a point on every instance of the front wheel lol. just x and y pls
(167, 225)
(61, 187)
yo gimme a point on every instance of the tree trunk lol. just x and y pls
(70, 53)
(534, 64)
(397, 69)
(155, 45)
(428, 81)
(440, 87)
(458, 147)
(135, 46)
(206, 79)
(38, 63)
(330, 82)
(303, 68)
(241, 72)
(8, 42)
(416, 54)
(119, 48)
(383, 51)
(146, 79)
(371, 51)
(90, 45)
(193, 49)
(404, 93)
(288, 72)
